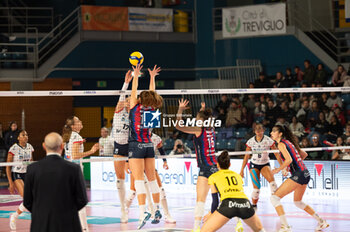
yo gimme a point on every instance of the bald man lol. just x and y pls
(54, 190)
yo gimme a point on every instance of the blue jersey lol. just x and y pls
(137, 132)
(297, 163)
(205, 147)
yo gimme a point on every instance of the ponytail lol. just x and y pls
(288, 134)
(224, 160)
(67, 129)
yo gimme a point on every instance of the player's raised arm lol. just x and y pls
(153, 73)
(135, 83)
(121, 102)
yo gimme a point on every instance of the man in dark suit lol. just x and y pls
(54, 190)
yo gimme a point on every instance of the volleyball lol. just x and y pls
(136, 58)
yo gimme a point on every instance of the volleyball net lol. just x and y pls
(317, 116)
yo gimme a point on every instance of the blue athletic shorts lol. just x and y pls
(139, 150)
(301, 177)
(206, 171)
(18, 176)
(121, 149)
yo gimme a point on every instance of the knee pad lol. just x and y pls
(154, 188)
(255, 193)
(275, 201)
(120, 184)
(199, 209)
(162, 194)
(140, 187)
(22, 208)
(300, 204)
(273, 187)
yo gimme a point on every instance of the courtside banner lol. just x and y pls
(101, 18)
(146, 19)
(265, 19)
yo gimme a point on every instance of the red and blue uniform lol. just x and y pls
(137, 132)
(205, 152)
(297, 168)
(140, 143)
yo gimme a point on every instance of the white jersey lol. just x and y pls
(157, 141)
(120, 128)
(21, 154)
(106, 146)
(74, 138)
(260, 156)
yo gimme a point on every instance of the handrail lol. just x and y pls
(59, 25)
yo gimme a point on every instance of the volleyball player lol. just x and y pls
(19, 152)
(204, 141)
(120, 134)
(260, 161)
(293, 158)
(159, 150)
(74, 150)
(141, 152)
(234, 203)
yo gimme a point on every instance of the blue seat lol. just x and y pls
(267, 131)
(168, 144)
(221, 144)
(346, 99)
(231, 143)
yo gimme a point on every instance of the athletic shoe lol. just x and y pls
(13, 219)
(169, 219)
(157, 217)
(239, 226)
(285, 228)
(143, 220)
(322, 225)
(124, 217)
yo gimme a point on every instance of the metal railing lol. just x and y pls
(17, 19)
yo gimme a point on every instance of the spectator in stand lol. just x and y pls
(247, 118)
(309, 73)
(321, 124)
(346, 134)
(315, 142)
(304, 110)
(259, 112)
(290, 78)
(286, 112)
(2, 141)
(339, 76)
(236, 99)
(11, 135)
(305, 143)
(323, 99)
(224, 103)
(340, 116)
(321, 75)
(296, 127)
(262, 82)
(282, 121)
(314, 111)
(106, 143)
(281, 97)
(334, 129)
(250, 102)
(180, 148)
(234, 115)
(222, 116)
(341, 154)
(280, 81)
(334, 101)
(271, 114)
(294, 102)
(298, 75)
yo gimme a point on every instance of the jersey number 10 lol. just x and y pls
(233, 180)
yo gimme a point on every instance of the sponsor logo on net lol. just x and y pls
(152, 119)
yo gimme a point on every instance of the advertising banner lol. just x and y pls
(329, 179)
(254, 20)
(146, 19)
(101, 18)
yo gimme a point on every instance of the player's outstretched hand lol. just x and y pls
(137, 70)
(155, 71)
(183, 104)
(128, 77)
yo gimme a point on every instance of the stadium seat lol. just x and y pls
(231, 143)
(189, 144)
(221, 144)
(168, 144)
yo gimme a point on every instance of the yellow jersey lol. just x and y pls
(228, 183)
